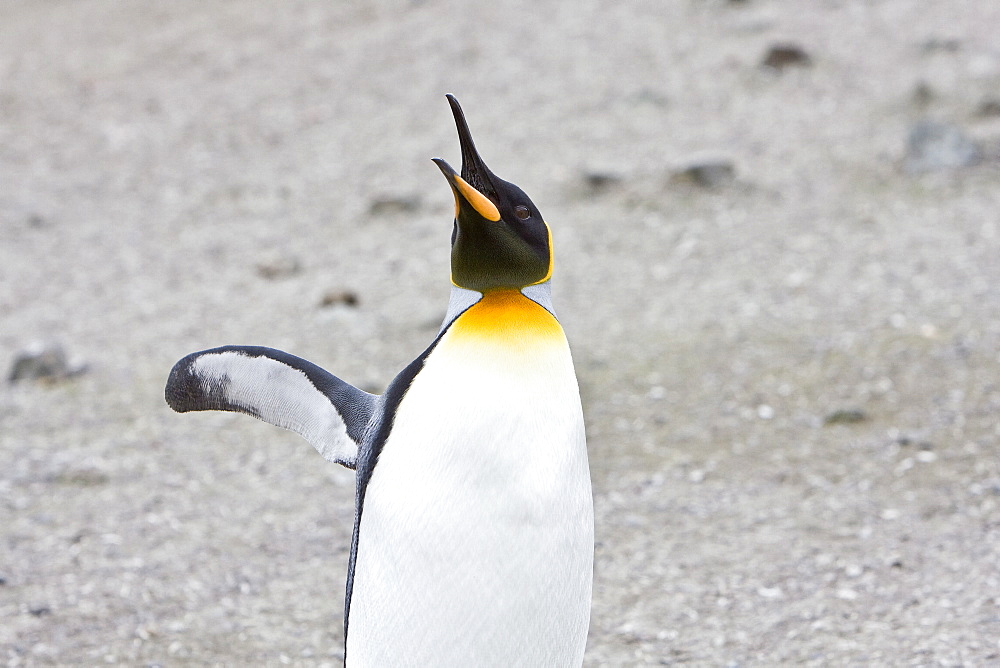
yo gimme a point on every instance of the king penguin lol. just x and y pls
(474, 525)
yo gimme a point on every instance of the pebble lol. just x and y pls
(279, 268)
(598, 182)
(390, 205)
(43, 362)
(990, 107)
(781, 56)
(934, 146)
(339, 298)
(846, 416)
(923, 94)
(941, 44)
(707, 174)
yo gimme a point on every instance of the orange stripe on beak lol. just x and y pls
(483, 206)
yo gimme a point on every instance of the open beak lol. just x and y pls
(474, 188)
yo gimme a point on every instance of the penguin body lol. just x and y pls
(473, 530)
(499, 547)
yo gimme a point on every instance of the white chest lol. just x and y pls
(476, 537)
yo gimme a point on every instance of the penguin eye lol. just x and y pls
(522, 212)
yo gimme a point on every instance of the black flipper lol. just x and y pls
(279, 388)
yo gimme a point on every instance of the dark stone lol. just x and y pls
(707, 174)
(780, 56)
(906, 441)
(598, 182)
(846, 416)
(279, 268)
(339, 297)
(390, 205)
(81, 478)
(989, 107)
(942, 44)
(43, 363)
(923, 94)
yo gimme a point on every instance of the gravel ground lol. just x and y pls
(791, 374)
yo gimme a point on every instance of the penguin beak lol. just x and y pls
(468, 200)
(474, 189)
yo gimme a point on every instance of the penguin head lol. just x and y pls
(499, 240)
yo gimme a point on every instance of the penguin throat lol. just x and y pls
(507, 315)
(488, 255)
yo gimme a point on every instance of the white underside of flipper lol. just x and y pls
(476, 536)
(279, 388)
(290, 401)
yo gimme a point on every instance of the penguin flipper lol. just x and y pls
(278, 388)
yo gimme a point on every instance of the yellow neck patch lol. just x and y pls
(507, 316)
(548, 274)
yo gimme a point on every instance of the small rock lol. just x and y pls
(278, 268)
(84, 477)
(934, 146)
(339, 298)
(389, 205)
(44, 362)
(40, 610)
(943, 44)
(597, 182)
(989, 107)
(3, 579)
(780, 56)
(846, 416)
(707, 174)
(923, 94)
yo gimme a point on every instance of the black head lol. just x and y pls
(500, 240)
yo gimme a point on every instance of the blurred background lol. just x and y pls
(777, 229)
